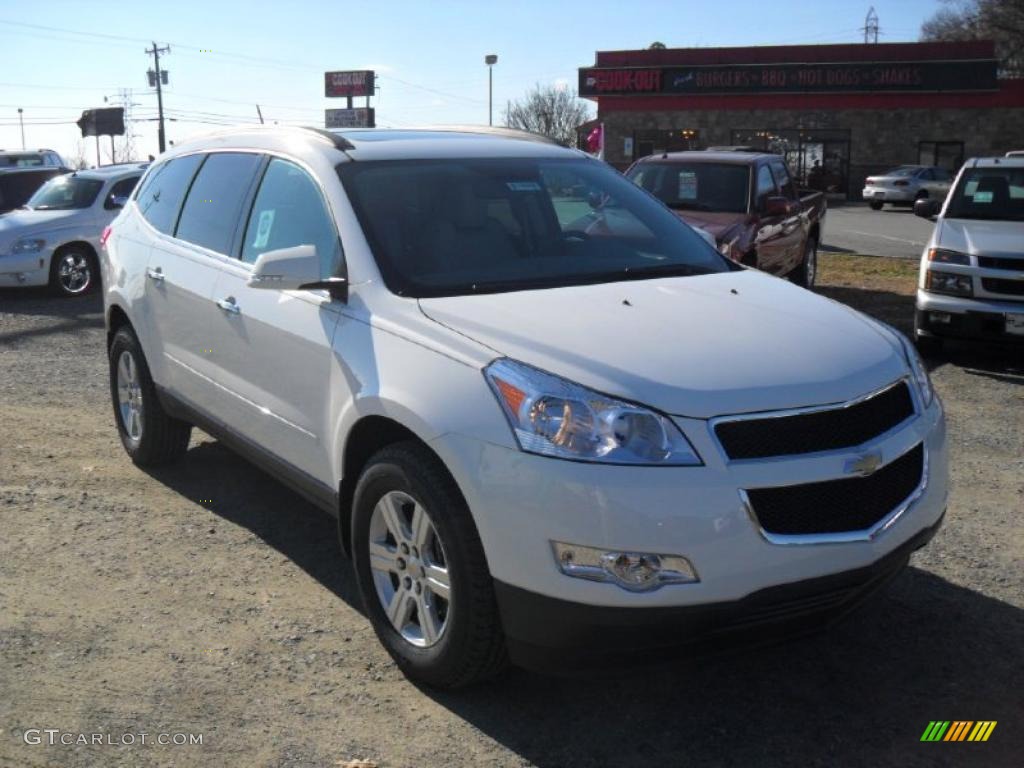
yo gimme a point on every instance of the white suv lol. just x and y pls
(555, 424)
(54, 238)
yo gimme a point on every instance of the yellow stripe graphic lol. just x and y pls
(978, 729)
(988, 731)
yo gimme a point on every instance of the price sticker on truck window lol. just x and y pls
(983, 196)
(687, 185)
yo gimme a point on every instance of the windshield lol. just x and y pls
(988, 193)
(21, 161)
(65, 192)
(720, 187)
(462, 226)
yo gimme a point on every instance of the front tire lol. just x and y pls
(148, 434)
(422, 572)
(876, 205)
(74, 271)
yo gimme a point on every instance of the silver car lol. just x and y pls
(906, 184)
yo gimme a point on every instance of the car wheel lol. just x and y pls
(876, 205)
(805, 274)
(74, 272)
(422, 572)
(148, 434)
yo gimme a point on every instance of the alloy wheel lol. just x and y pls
(410, 569)
(74, 273)
(129, 395)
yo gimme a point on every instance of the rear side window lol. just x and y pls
(160, 199)
(765, 185)
(288, 211)
(782, 177)
(214, 203)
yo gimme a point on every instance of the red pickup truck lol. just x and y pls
(747, 201)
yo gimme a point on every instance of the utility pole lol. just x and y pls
(260, 113)
(21, 121)
(490, 60)
(870, 27)
(159, 79)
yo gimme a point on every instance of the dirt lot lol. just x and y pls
(207, 599)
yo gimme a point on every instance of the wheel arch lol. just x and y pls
(368, 435)
(116, 318)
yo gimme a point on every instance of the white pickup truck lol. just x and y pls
(972, 269)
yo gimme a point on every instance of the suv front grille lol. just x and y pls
(996, 262)
(825, 430)
(837, 506)
(997, 285)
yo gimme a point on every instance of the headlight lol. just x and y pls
(27, 245)
(555, 417)
(948, 282)
(948, 257)
(920, 373)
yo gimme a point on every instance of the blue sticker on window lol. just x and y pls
(523, 186)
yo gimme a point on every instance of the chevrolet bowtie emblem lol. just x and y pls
(864, 465)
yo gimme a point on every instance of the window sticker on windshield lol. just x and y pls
(263, 226)
(687, 185)
(983, 196)
(523, 186)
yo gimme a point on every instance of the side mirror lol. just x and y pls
(778, 206)
(117, 201)
(295, 268)
(927, 208)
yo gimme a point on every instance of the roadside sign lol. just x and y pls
(360, 117)
(348, 83)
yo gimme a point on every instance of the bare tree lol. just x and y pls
(998, 20)
(657, 45)
(77, 160)
(550, 111)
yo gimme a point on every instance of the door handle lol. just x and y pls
(155, 274)
(229, 305)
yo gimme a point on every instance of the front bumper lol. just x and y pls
(552, 635)
(24, 269)
(968, 318)
(522, 502)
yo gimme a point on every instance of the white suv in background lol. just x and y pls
(972, 270)
(555, 425)
(54, 238)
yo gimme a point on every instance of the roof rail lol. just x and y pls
(511, 133)
(339, 141)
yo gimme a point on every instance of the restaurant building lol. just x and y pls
(837, 112)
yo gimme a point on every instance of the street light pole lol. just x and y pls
(21, 121)
(490, 60)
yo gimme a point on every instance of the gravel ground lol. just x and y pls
(208, 599)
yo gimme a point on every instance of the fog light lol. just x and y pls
(635, 571)
(942, 318)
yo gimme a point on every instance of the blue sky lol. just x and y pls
(62, 56)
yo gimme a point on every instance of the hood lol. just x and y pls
(735, 342)
(718, 224)
(20, 223)
(979, 236)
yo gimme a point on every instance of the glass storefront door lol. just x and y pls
(819, 158)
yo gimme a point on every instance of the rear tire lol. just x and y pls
(805, 274)
(875, 205)
(148, 434)
(429, 596)
(74, 271)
